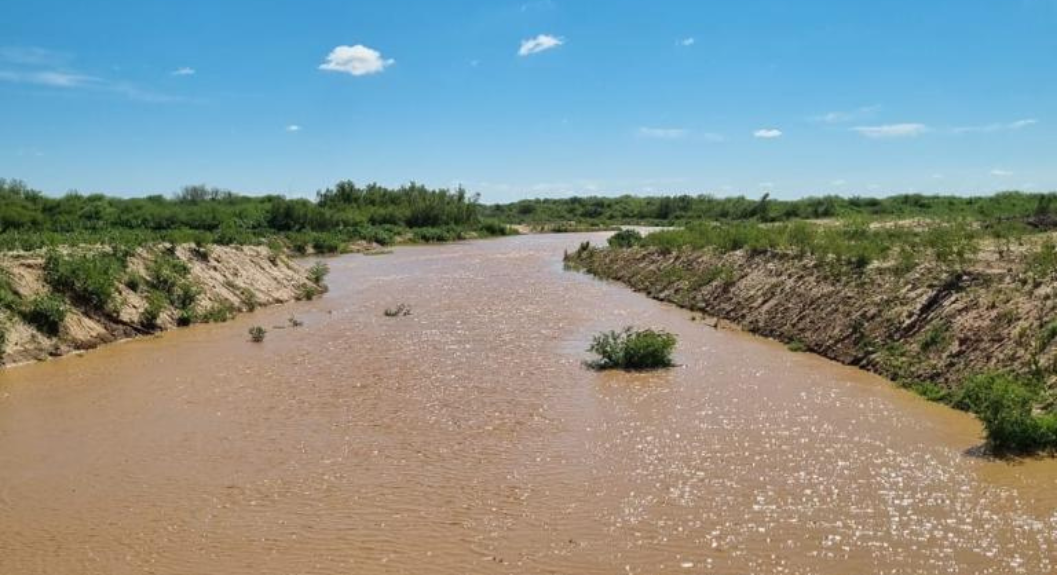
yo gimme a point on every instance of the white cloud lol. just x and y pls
(48, 78)
(996, 127)
(32, 56)
(840, 117)
(662, 133)
(690, 41)
(183, 71)
(767, 133)
(998, 172)
(358, 60)
(293, 128)
(539, 44)
(838, 183)
(906, 130)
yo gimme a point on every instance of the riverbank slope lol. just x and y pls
(47, 306)
(931, 324)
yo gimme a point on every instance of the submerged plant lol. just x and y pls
(632, 349)
(398, 311)
(318, 272)
(257, 334)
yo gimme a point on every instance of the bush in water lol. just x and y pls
(632, 348)
(257, 334)
(399, 311)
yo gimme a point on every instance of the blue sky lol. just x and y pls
(532, 98)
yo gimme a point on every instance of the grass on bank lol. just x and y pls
(632, 349)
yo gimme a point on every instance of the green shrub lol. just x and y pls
(184, 295)
(185, 317)
(796, 346)
(257, 334)
(134, 281)
(929, 390)
(936, 338)
(307, 292)
(90, 280)
(318, 272)
(399, 311)
(218, 313)
(9, 296)
(625, 239)
(46, 313)
(167, 272)
(249, 298)
(156, 304)
(632, 348)
(1004, 404)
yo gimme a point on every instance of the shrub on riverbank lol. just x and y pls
(46, 313)
(89, 279)
(632, 349)
(1005, 405)
(625, 239)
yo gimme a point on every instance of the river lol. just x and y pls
(468, 438)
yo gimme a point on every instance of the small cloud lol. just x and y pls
(539, 44)
(48, 78)
(838, 183)
(183, 71)
(662, 133)
(293, 128)
(538, 5)
(998, 172)
(938, 176)
(358, 60)
(906, 130)
(767, 133)
(689, 41)
(840, 117)
(997, 127)
(475, 63)
(32, 56)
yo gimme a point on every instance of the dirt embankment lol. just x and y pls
(932, 324)
(225, 279)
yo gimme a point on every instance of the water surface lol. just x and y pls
(468, 438)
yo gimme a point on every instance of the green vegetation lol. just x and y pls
(632, 349)
(625, 239)
(399, 311)
(203, 216)
(1035, 209)
(1005, 404)
(257, 334)
(852, 244)
(46, 313)
(796, 346)
(88, 279)
(318, 272)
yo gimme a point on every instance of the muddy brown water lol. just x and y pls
(467, 438)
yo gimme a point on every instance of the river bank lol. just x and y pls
(50, 303)
(933, 323)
